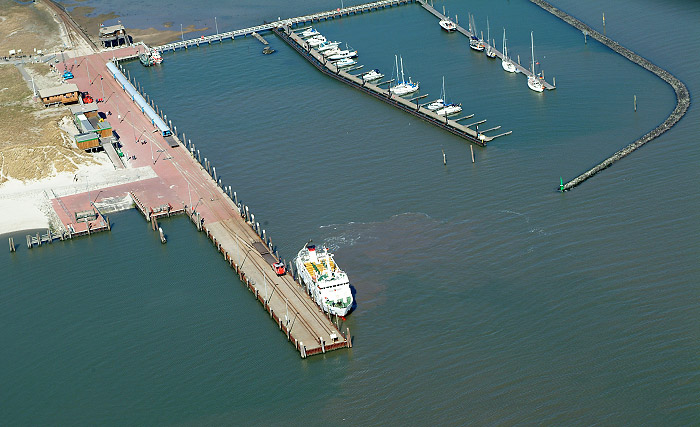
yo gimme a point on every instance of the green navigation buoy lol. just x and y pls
(561, 184)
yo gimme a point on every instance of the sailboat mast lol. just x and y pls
(532, 45)
(402, 77)
(488, 30)
(396, 58)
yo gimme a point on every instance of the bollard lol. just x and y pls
(214, 172)
(348, 338)
(235, 198)
(471, 147)
(252, 219)
(257, 228)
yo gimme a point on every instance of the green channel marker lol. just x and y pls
(561, 184)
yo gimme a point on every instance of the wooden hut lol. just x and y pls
(64, 94)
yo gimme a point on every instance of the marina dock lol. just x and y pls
(411, 106)
(498, 53)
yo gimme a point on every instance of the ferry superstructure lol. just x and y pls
(326, 282)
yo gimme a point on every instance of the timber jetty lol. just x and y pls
(682, 94)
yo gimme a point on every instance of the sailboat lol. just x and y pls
(404, 87)
(446, 109)
(506, 63)
(474, 41)
(489, 50)
(533, 82)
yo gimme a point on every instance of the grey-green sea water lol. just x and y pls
(483, 295)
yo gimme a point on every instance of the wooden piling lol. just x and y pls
(12, 244)
(444, 159)
(635, 103)
(471, 147)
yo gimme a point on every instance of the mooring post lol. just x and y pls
(471, 147)
(348, 338)
(635, 103)
(214, 172)
(444, 159)
(252, 219)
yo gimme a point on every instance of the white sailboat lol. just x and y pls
(403, 87)
(446, 109)
(533, 81)
(506, 63)
(474, 41)
(489, 50)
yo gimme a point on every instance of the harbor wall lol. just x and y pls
(681, 91)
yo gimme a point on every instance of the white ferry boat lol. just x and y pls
(327, 284)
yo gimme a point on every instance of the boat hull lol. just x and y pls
(535, 84)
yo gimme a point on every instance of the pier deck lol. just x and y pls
(498, 53)
(185, 182)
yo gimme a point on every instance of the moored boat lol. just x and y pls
(534, 81)
(327, 284)
(506, 62)
(345, 62)
(403, 87)
(341, 54)
(449, 110)
(309, 32)
(372, 75)
(326, 46)
(316, 41)
(448, 25)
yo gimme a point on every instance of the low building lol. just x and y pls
(114, 35)
(88, 110)
(87, 141)
(64, 94)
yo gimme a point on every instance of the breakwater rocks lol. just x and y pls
(682, 95)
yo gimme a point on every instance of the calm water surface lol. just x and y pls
(484, 296)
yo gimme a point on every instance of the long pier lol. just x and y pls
(233, 230)
(682, 94)
(385, 95)
(498, 53)
(299, 20)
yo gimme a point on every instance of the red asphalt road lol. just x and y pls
(180, 177)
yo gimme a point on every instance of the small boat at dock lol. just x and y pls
(372, 75)
(448, 25)
(309, 32)
(316, 41)
(345, 62)
(436, 105)
(150, 57)
(506, 63)
(533, 81)
(403, 87)
(474, 42)
(326, 45)
(324, 280)
(449, 110)
(489, 50)
(342, 54)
